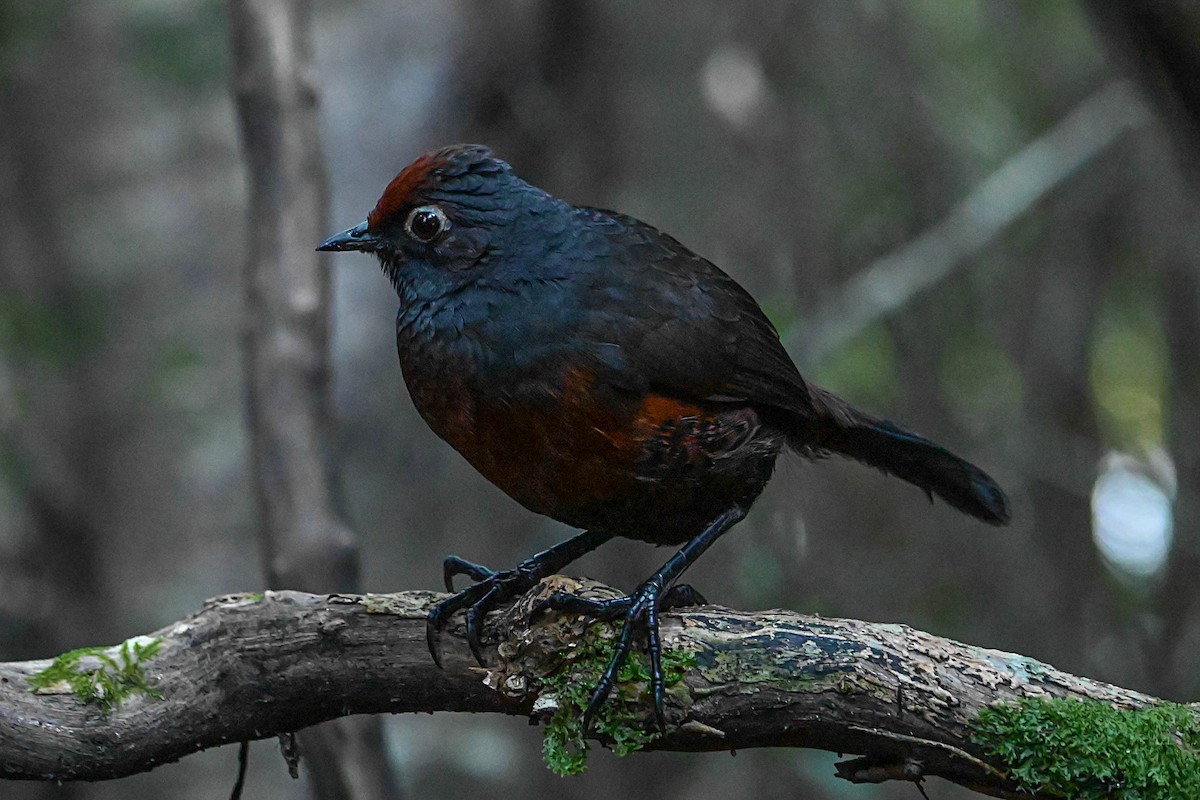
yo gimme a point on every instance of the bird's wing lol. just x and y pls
(678, 325)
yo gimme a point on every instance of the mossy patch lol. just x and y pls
(101, 675)
(626, 717)
(1090, 750)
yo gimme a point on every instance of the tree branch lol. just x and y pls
(305, 543)
(253, 666)
(891, 281)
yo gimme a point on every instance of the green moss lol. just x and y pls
(106, 679)
(624, 719)
(1089, 750)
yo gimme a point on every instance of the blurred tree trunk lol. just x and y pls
(527, 85)
(58, 416)
(1159, 44)
(1175, 599)
(1158, 41)
(1061, 439)
(304, 542)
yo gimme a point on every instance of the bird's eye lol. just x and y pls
(426, 223)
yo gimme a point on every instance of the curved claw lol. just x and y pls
(478, 599)
(493, 588)
(608, 679)
(433, 630)
(440, 614)
(640, 610)
(453, 565)
(475, 616)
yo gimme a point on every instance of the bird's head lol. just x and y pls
(445, 212)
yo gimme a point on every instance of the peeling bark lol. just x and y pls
(250, 667)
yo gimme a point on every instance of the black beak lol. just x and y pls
(356, 238)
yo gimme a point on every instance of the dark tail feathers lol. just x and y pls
(906, 455)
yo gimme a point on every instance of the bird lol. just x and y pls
(602, 374)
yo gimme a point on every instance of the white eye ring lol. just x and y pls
(426, 223)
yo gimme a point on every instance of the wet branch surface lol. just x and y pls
(253, 666)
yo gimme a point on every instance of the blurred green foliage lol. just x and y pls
(978, 377)
(963, 49)
(181, 44)
(864, 368)
(59, 332)
(1129, 373)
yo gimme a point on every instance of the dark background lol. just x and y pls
(794, 144)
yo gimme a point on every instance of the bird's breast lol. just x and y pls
(546, 440)
(563, 443)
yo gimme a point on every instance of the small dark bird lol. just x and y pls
(604, 375)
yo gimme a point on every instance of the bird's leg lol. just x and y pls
(493, 588)
(640, 611)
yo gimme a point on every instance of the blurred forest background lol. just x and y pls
(795, 145)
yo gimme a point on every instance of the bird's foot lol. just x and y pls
(491, 589)
(640, 611)
(682, 595)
